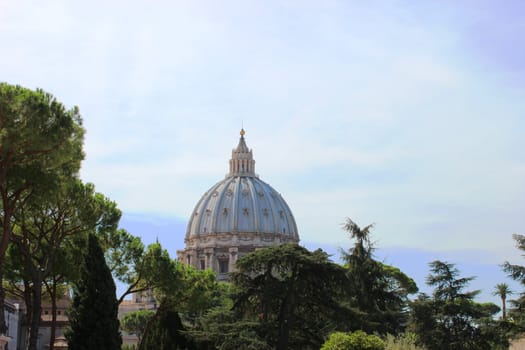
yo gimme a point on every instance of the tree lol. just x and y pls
(125, 255)
(135, 322)
(337, 341)
(357, 340)
(517, 273)
(293, 293)
(378, 290)
(404, 341)
(46, 230)
(93, 317)
(181, 291)
(165, 331)
(43, 237)
(141, 269)
(502, 290)
(40, 145)
(224, 328)
(451, 319)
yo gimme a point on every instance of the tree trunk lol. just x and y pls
(503, 308)
(286, 315)
(286, 322)
(28, 312)
(3, 325)
(35, 314)
(4, 243)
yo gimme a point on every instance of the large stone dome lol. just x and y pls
(236, 216)
(242, 204)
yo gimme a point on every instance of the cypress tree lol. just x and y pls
(93, 317)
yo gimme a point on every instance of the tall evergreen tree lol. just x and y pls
(94, 313)
(293, 293)
(517, 273)
(379, 291)
(450, 318)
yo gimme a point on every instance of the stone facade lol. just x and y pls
(12, 319)
(17, 329)
(236, 216)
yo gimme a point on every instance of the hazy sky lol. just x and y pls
(408, 114)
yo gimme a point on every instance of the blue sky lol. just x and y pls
(407, 114)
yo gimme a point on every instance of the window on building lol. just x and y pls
(203, 264)
(223, 265)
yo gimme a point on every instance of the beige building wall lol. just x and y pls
(518, 344)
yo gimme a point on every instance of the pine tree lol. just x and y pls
(93, 318)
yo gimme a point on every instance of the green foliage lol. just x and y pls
(129, 347)
(379, 291)
(93, 315)
(159, 272)
(293, 293)
(516, 312)
(502, 290)
(40, 141)
(47, 241)
(123, 253)
(135, 322)
(183, 293)
(222, 328)
(357, 340)
(451, 319)
(50, 232)
(40, 148)
(337, 341)
(283, 297)
(165, 331)
(152, 269)
(404, 341)
(199, 291)
(496, 333)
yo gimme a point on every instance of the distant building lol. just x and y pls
(46, 321)
(517, 344)
(139, 301)
(17, 329)
(236, 216)
(12, 319)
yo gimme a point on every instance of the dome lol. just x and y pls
(242, 204)
(236, 216)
